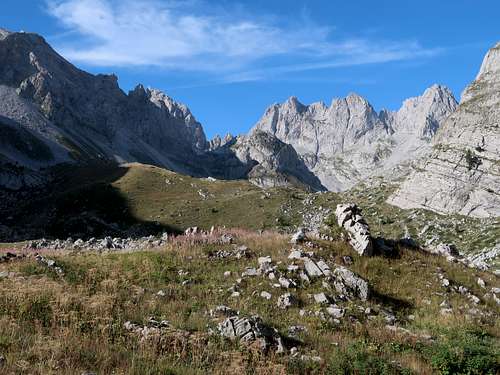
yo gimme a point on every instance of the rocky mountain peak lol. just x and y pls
(91, 113)
(293, 105)
(349, 140)
(356, 99)
(4, 33)
(487, 82)
(491, 62)
(423, 114)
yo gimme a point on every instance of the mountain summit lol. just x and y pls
(349, 141)
(77, 116)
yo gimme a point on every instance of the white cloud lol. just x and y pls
(188, 35)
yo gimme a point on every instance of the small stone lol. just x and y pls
(227, 274)
(335, 312)
(347, 259)
(286, 300)
(161, 293)
(475, 300)
(312, 268)
(286, 283)
(481, 283)
(304, 277)
(222, 310)
(299, 236)
(292, 268)
(235, 294)
(263, 260)
(444, 304)
(294, 331)
(266, 295)
(250, 272)
(321, 298)
(295, 254)
(347, 282)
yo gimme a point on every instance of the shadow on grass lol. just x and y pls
(81, 203)
(397, 304)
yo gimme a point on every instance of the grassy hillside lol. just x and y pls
(132, 198)
(71, 323)
(95, 201)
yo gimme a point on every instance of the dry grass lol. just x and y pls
(54, 325)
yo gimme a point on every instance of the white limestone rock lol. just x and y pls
(349, 217)
(349, 141)
(348, 283)
(461, 174)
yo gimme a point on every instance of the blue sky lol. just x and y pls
(229, 60)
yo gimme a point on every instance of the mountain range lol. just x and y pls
(52, 113)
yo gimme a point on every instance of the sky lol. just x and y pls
(228, 60)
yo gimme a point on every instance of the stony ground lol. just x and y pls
(189, 305)
(135, 200)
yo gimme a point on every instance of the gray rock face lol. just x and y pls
(273, 162)
(462, 173)
(348, 141)
(349, 217)
(60, 113)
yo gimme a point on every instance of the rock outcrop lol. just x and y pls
(349, 141)
(462, 173)
(349, 217)
(348, 283)
(251, 330)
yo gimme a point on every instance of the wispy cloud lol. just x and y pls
(189, 35)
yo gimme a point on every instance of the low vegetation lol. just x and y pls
(71, 323)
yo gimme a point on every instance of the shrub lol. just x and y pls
(473, 161)
(360, 358)
(465, 353)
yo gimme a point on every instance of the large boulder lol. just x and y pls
(349, 217)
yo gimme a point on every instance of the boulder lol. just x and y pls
(251, 330)
(348, 283)
(349, 217)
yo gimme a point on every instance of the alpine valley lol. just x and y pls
(329, 239)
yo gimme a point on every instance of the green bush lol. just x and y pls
(465, 353)
(361, 358)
